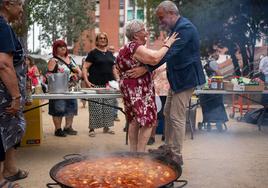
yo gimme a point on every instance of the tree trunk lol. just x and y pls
(246, 66)
(232, 51)
(252, 54)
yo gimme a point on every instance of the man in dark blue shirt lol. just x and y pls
(184, 72)
(12, 93)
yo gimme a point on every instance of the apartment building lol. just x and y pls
(109, 18)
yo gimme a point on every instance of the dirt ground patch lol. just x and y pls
(233, 159)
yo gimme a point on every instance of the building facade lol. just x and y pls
(110, 17)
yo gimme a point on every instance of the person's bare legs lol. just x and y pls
(57, 122)
(69, 121)
(3, 180)
(133, 132)
(153, 131)
(4, 171)
(152, 136)
(9, 163)
(83, 103)
(144, 135)
(1, 171)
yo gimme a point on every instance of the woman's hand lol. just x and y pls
(74, 78)
(89, 84)
(171, 39)
(14, 107)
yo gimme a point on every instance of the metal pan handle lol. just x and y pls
(69, 156)
(184, 182)
(51, 185)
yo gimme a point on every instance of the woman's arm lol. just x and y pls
(116, 73)
(152, 57)
(51, 64)
(9, 78)
(75, 68)
(85, 68)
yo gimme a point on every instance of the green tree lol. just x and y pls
(236, 24)
(61, 18)
(149, 7)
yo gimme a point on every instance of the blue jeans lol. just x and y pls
(62, 107)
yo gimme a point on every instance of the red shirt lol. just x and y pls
(32, 75)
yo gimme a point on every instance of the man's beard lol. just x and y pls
(164, 27)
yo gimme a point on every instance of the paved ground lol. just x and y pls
(233, 159)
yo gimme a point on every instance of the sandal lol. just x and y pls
(21, 174)
(92, 134)
(106, 130)
(9, 184)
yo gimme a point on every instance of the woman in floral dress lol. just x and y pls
(138, 94)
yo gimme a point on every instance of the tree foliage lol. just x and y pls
(236, 24)
(61, 18)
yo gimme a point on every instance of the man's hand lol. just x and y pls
(137, 72)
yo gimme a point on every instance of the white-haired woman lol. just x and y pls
(138, 93)
(12, 93)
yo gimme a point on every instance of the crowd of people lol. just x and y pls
(134, 67)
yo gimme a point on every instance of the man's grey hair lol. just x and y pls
(168, 6)
(132, 27)
(1, 1)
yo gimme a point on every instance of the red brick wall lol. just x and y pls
(109, 23)
(109, 20)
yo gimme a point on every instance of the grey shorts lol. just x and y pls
(62, 107)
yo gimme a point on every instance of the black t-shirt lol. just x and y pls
(101, 70)
(9, 43)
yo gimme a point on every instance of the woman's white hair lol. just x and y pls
(132, 27)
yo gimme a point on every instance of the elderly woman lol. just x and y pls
(138, 93)
(59, 108)
(12, 93)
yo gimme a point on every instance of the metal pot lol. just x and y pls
(76, 158)
(58, 83)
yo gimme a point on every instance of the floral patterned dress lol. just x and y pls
(138, 94)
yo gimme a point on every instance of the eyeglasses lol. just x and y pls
(143, 29)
